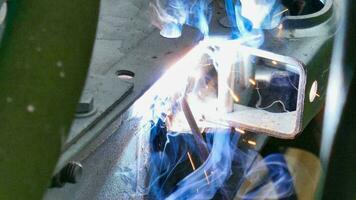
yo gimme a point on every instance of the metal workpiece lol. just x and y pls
(108, 142)
(120, 94)
(313, 46)
(147, 54)
(111, 171)
(308, 39)
(120, 47)
(107, 93)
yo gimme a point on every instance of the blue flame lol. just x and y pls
(240, 26)
(196, 185)
(222, 175)
(248, 18)
(170, 16)
(278, 174)
(171, 176)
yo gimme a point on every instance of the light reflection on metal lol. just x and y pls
(313, 91)
(3, 12)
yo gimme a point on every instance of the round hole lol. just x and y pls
(125, 74)
(313, 91)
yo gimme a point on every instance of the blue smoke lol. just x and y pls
(240, 26)
(248, 18)
(170, 16)
(223, 174)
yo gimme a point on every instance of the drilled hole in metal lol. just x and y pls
(125, 74)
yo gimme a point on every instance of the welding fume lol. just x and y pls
(213, 105)
(177, 99)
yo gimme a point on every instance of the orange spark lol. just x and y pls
(251, 142)
(206, 177)
(253, 82)
(240, 130)
(280, 13)
(191, 160)
(233, 95)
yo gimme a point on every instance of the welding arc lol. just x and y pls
(195, 129)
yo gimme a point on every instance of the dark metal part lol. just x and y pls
(86, 105)
(71, 173)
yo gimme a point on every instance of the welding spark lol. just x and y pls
(280, 13)
(191, 160)
(251, 142)
(233, 95)
(253, 82)
(206, 177)
(240, 130)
